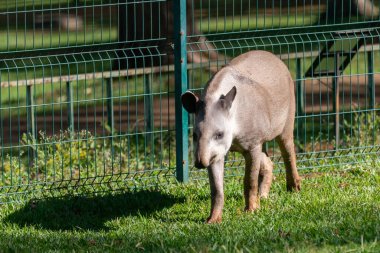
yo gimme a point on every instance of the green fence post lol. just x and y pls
(70, 107)
(110, 113)
(180, 64)
(371, 80)
(148, 109)
(300, 101)
(371, 90)
(31, 125)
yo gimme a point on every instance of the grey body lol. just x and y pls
(248, 102)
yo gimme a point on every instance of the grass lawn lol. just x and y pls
(337, 211)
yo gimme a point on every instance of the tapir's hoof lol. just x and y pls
(264, 190)
(251, 209)
(294, 186)
(214, 220)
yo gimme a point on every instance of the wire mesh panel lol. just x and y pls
(89, 89)
(332, 51)
(86, 96)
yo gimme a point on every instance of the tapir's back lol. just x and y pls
(262, 67)
(251, 72)
(264, 89)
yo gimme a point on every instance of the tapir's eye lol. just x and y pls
(218, 135)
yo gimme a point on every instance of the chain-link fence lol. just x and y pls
(90, 89)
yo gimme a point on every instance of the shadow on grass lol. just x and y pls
(89, 213)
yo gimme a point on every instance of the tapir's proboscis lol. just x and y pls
(248, 102)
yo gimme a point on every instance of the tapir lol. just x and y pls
(246, 103)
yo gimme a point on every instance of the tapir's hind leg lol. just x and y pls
(285, 141)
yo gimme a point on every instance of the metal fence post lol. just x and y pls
(300, 102)
(371, 90)
(70, 107)
(110, 113)
(371, 80)
(148, 109)
(110, 117)
(31, 125)
(180, 63)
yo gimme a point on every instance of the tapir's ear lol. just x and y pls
(226, 101)
(189, 101)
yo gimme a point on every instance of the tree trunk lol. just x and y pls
(146, 36)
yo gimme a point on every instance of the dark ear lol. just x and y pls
(226, 101)
(189, 101)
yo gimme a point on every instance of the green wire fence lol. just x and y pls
(90, 89)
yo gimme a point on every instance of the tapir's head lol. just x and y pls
(214, 124)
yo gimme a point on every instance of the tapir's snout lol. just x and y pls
(200, 162)
(203, 163)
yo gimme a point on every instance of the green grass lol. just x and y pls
(336, 211)
(244, 23)
(14, 40)
(29, 4)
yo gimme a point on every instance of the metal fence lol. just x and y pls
(90, 89)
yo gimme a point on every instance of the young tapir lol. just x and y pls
(246, 103)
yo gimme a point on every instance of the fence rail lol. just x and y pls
(89, 91)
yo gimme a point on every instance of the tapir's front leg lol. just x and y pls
(251, 179)
(265, 176)
(215, 174)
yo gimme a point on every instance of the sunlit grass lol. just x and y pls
(253, 22)
(336, 211)
(26, 39)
